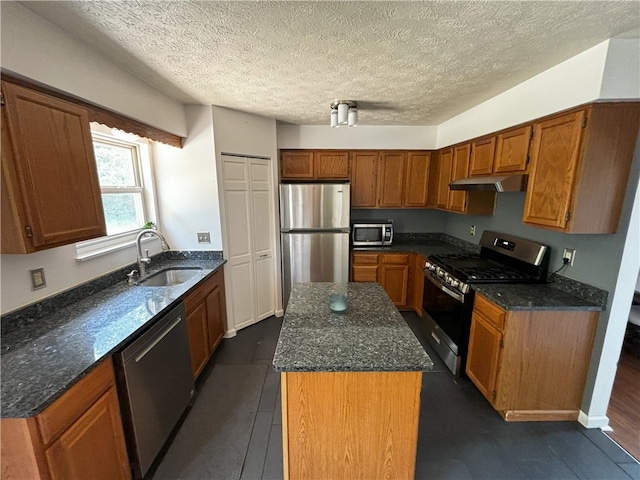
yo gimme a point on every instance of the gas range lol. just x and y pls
(502, 259)
(447, 301)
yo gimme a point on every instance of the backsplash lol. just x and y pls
(45, 307)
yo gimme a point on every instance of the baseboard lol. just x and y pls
(279, 313)
(230, 333)
(601, 422)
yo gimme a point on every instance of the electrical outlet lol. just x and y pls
(570, 255)
(204, 237)
(37, 278)
(472, 230)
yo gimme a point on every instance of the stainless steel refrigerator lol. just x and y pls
(314, 229)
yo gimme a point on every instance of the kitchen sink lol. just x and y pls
(169, 277)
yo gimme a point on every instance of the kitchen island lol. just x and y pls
(350, 385)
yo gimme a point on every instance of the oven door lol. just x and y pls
(446, 321)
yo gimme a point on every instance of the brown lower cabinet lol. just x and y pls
(530, 365)
(80, 436)
(206, 319)
(391, 270)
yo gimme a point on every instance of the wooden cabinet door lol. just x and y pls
(216, 317)
(434, 181)
(445, 161)
(459, 169)
(364, 179)
(391, 179)
(484, 355)
(554, 162)
(394, 277)
(94, 446)
(482, 153)
(296, 165)
(50, 168)
(198, 338)
(512, 150)
(332, 165)
(395, 281)
(416, 179)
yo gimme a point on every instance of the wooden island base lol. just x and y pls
(355, 425)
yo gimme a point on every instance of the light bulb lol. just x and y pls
(353, 117)
(334, 118)
(343, 111)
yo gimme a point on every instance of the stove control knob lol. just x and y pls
(428, 265)
(454, 283)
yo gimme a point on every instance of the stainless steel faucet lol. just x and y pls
(143, 261)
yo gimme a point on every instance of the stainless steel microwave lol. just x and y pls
(372, 234)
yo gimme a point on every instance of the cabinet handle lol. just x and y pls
(264, 255)
(435, 337)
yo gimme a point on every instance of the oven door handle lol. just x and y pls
(458, 296)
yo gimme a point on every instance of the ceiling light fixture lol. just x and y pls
(344, 112)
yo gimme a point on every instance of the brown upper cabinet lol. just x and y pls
(580, 164)
(482, 154)
(459, 169)
(416, 185)
(451, 164)
(389, 179)
(50, 189)
(506, 152)
(512, 150)
(364, 179)
(445, 161)
(302, 165)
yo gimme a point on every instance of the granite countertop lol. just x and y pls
(534, 297)
(370, 336)
(561, 293)
(42, 358)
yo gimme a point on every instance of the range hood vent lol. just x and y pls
(508, 183)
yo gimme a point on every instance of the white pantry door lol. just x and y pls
(249, 233)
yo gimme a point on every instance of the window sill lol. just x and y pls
(106, 245)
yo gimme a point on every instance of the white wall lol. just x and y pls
(62, 272)
(622, 70)
(361, 137)
(241, 133)
(573, 82)
(34, 48)
(39, 50)
(187, 185)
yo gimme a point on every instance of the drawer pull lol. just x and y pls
(435, 337)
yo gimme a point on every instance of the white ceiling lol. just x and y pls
(405, 63)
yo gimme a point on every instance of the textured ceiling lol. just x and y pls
(405, 63)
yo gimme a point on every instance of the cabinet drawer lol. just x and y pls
(368, 273)
(491, 312)
(205, 288)
(396, 258)
(365, 259)
(64, 411)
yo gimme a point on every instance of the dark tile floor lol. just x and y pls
(460, 435)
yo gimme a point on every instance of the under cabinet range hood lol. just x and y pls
(505, 183)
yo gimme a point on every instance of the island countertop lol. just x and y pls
(370, 335)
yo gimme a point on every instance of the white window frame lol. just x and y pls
(143, 169)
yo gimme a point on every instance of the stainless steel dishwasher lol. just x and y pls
(155, 383)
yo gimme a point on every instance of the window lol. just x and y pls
(126, 183)
(121, 184)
